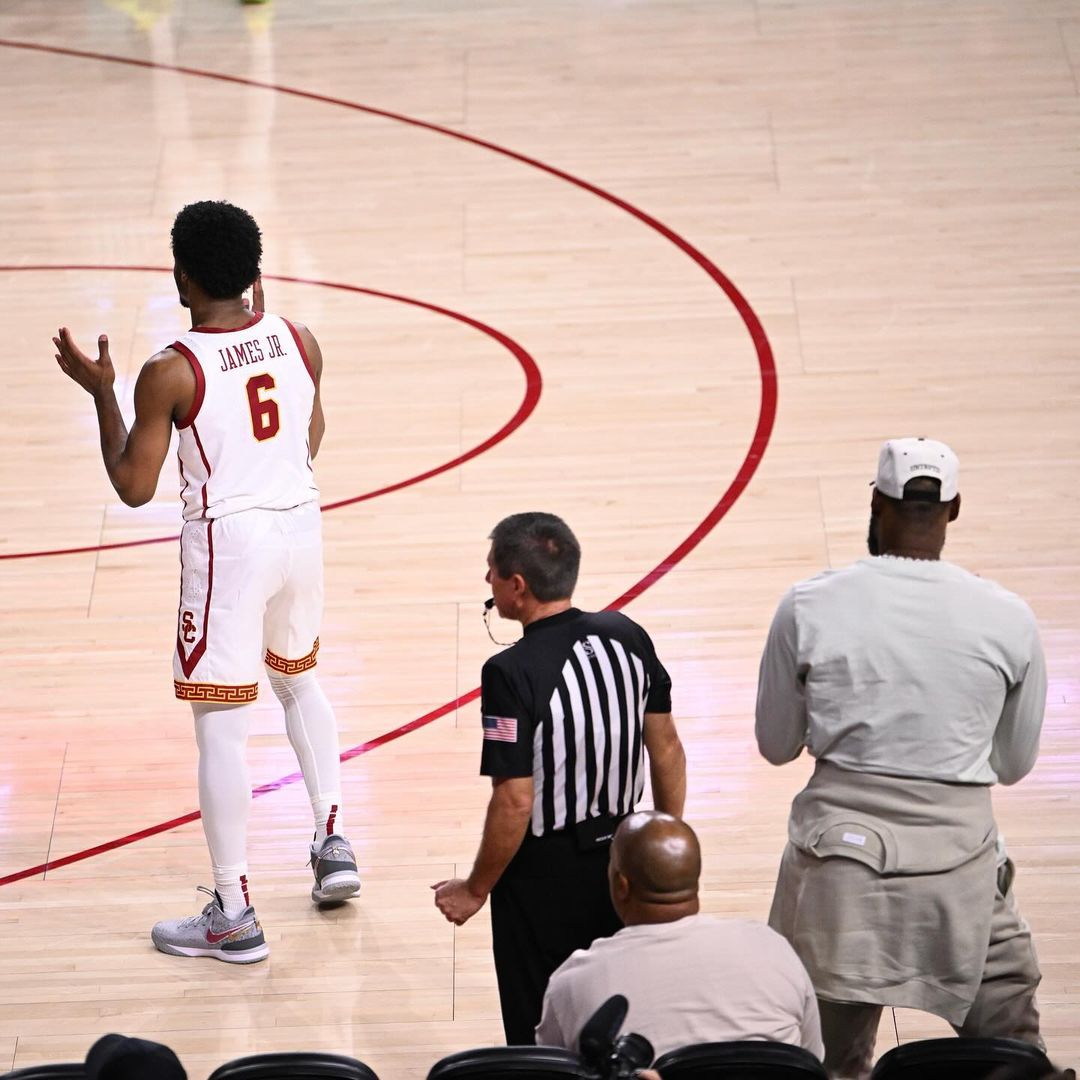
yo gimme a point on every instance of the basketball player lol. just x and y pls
(242, 389)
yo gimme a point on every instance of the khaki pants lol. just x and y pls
(1004, 1006)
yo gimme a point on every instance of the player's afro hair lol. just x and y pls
(218, 246)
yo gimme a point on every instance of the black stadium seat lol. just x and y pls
(745, 1060)
(47, 1072)
(294, 1066)
(513, 1062)
(961, 1059)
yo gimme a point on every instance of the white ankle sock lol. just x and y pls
(231, 885)
(327, 820)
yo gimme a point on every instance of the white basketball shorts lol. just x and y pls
(251, 592)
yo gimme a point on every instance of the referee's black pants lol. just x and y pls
(552, 899)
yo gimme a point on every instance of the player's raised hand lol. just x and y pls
(94, 376)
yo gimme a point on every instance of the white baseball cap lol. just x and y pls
(902, 460)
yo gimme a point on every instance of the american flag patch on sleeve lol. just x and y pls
(500, 728)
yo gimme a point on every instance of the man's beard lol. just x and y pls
(872, 536)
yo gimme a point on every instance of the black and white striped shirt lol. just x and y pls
(566, 705)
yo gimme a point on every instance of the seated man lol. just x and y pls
(689, 978)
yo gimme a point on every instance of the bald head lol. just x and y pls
(655, 867)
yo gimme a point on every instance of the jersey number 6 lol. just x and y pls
(265, 418)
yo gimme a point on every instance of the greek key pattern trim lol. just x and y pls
(293, 667)
(229, 695)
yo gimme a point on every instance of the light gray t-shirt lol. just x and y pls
(907, 667)
(698, 979)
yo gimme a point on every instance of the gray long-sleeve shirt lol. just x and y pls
(906, 667)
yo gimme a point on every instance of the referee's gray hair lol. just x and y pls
(542, 549)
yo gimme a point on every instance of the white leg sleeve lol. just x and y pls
(312, 731)
(225, 796)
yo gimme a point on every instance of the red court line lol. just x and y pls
(750, 463)
(733, 294)
(533, 387)
(262, 789)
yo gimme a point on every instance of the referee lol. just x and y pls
(568, 714)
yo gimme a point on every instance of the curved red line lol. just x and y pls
(754, 454)
(533, 388)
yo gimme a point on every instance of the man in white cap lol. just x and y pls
(916, 685)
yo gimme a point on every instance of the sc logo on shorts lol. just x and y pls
(188, 633)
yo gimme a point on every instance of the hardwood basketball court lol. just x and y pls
(666, 219)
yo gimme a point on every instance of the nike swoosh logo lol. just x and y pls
(216, 939)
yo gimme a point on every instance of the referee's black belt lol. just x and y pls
(560, 851)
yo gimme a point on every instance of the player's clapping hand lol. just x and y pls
(456, 901)
(94, 376)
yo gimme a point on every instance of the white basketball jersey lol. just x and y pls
(245, 442)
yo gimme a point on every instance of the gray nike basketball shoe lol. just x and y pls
(213, 933)
(334, 866)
